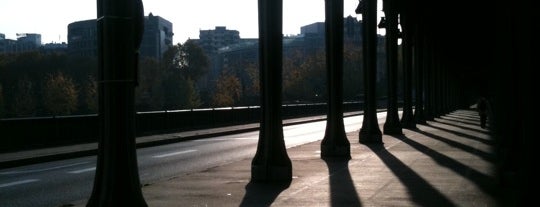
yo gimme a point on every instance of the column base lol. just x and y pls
(271, 173)
(335, 151)
(409, 124)
(392, 129)
(419, 119)
(370, 137)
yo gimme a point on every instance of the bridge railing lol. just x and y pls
(40, 132)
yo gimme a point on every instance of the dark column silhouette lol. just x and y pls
(428, 80)
(271, 162)
(436, 94)
(370, 132)
(392, 124)
(407, 119)
(120, 27)
(335, 143)
(419, 74)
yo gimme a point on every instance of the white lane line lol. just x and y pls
(173, 154)
(82, 170)
(41, 170)
(18, 183)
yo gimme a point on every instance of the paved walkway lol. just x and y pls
(448, 162)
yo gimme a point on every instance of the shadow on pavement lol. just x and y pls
(471, 112)
(421, 191)
(442, 120)
(474, 123)
(342, 189)
(484, 155)
(461, 134)
(484, 182)
(262, 194)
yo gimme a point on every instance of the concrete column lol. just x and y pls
(392, 124)
(419, 74)
(335, 142)
(407, 119)
(271, 162)
(120, 29)
(370, 132)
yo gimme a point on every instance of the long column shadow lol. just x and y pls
(471, 115)
(453, 123)
(421, 191)
(484, 182)
(342, 190)
(461, 134)
(459, 120)
(465, 112)
(484, 155)
(476, 120)
(262, 194)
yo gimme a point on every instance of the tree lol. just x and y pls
(252, 93)
(24, 103)
(352, 72)
(183, 66)
(193, 61)
(90, 99)
(304, 76)
(189, 59)
(59, 94)
(149, 93)
(228, 91)
(193, 97)
(2, 109)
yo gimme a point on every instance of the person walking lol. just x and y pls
(482, 106)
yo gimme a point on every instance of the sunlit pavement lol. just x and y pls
(448, 162)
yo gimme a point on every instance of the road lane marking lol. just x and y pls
(41, 170)
(173, 154)
(18, 183)
(82, 170)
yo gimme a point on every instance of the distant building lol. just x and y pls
(3, 42)
(54, 48)
(352, 29)
(157, 37)
(25, 42)
(211, 40)
(82, 38)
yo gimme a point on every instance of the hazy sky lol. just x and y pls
(51, 17)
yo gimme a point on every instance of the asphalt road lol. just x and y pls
(61, 182)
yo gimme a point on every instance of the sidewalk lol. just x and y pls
(20, 158)
(448, 162)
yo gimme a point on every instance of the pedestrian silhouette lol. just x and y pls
(482, 106)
